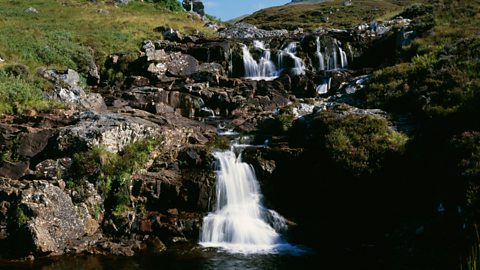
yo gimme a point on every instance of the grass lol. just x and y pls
(71, 33)
(18, 95)
(314, 15)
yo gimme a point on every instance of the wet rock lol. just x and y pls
(155, 245)
(211, 52)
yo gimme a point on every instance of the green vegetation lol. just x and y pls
(73, 34)
(18, 95)
(325, 14)
(21, 216)
(358, 144)
(112, 172)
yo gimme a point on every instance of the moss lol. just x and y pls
(22, 216)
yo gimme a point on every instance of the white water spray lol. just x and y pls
(239, 222)
(321, 59)
(290, 50)
(264, 69)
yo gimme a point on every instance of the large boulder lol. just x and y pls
(45, 221)
(111, 130)
(67, 90)
(161, 63)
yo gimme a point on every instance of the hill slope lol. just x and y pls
(326, 14)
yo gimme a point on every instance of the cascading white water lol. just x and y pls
(239, 221)
(343, 58)
(324, 86)
(290, 50)
(333, 54)
(321, 59)
(264, 69)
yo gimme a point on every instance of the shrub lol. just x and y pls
(111, 172)
(356, 144)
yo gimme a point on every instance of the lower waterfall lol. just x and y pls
(239, 222)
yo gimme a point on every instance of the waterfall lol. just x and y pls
(264, 69)
(324, 86)
(240, 223)
(343, 57)
(290, 50)
(321, 60)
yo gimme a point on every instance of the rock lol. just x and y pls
(67, 91)
(181, 65)
(194, 6)
(211, 52)
(93, 74)
(49, 221)
(31, 10)
(52, 169)
(31, 144)
(172, 35)
(76, 98)
(14, 170)
(209, 72)
(243, 30)
(174, 64)
(113, 131)
(122, 2)
(155, 245)
(68, 78)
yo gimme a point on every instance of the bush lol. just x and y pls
(357, 145)
(111, 172)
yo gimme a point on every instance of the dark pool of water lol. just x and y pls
(182, 257)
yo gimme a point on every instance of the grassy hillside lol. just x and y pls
(67, 33)
(326, 14)
(72, 34)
